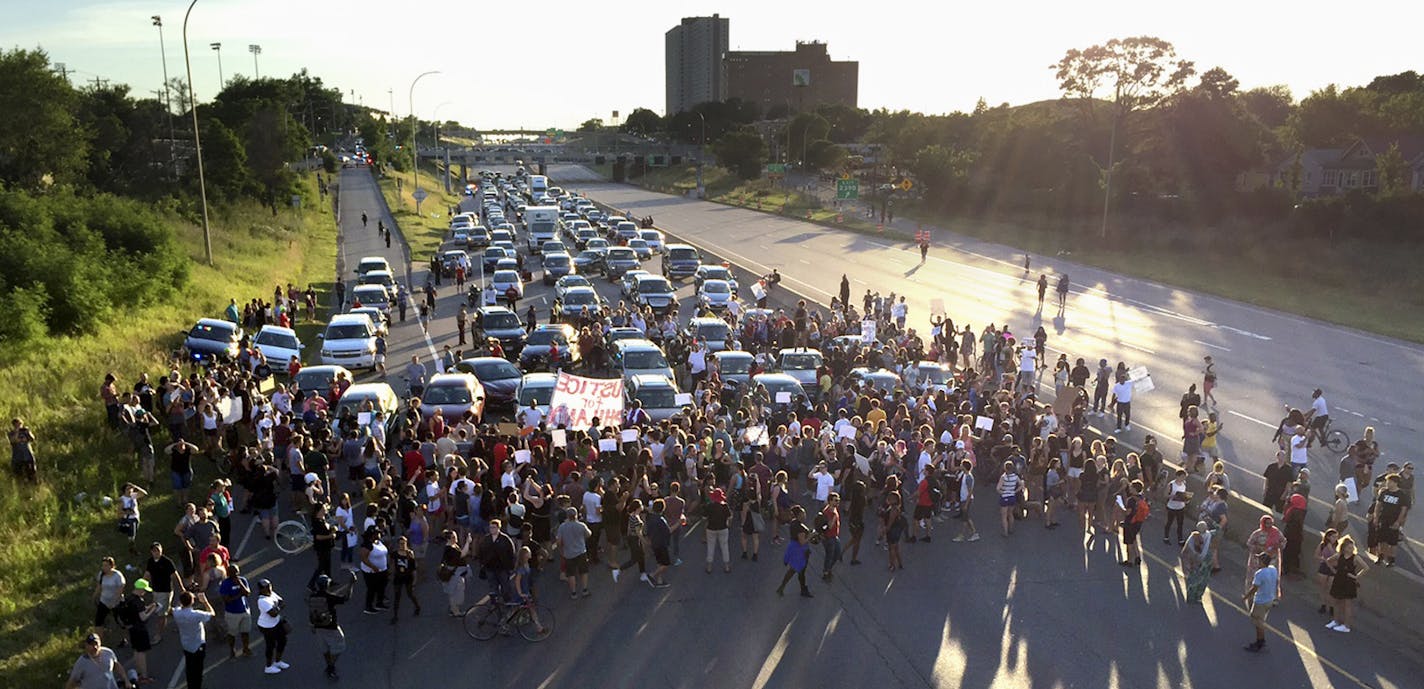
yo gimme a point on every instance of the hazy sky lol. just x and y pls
(503, 65)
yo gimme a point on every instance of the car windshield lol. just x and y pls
(715, 332)
(716, 274)
(657, 398)
(368, 266)
(936, 376)
(589, 255)
(735, 365)
(506, 276)
(622, 254)
(533, 396)
(559, 261)
(650, 235)
(501, 321)
(654, 286)
(276, 339)
(644, 359)
(637, 244)
(682, 255)
(446, 394)
(313, 378)
(210, 333)
(544, 337)
(371, 295)
(494, 252)
(347, 331)
(579, 298)
(716, 288)
(495, 370)
(800, 361)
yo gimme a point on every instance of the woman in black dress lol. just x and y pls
(1345, 587)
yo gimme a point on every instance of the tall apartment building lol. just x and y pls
(801, 79)
(694, 51)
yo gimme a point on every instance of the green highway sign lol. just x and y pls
(847, 188)
(776, 168)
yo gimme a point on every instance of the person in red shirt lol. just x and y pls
(924, 506)
(294, 367)
(829, 524)
(412, 463)
(567, 466)
(437, 425)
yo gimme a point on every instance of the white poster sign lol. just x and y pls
(867, 331)
(578, 400)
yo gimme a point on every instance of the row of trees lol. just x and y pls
(89, 176)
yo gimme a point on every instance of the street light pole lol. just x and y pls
(701, 151)
(197, 142)
(167, 97)
(217, 48)
(255, 50)
(414, 146)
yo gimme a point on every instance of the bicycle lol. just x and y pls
(1333, 438)
(294, 535)
(533, 621)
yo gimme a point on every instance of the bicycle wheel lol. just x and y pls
(292, 537)
(482, 621)
(1336, 440)
(535, 623)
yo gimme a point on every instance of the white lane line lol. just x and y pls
(422, 648)
(1144, 350)
(1251, 419)
(1213, 346)
(804, 261)
(242, 546)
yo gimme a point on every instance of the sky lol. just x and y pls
(503, 66)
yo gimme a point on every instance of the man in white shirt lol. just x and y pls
(825, 481)
(1318, 418)
(1299, 448)
(1122, 402)
(697, 362)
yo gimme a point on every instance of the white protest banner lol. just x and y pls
(783, 398)
(847, 431)
(682, 399)
(1143, 384)
(985, 423)
(523, 456)
(364, 418)
(561, 437)
(758, 291)
(231, 411)
(937, 307)
(756, 435)
(580, 400)
(630, 435)
(607, 444)
(1137, 373)
(867, 331)
(862, 463)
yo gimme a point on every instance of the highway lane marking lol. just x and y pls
(1144, 350)
(431, 640)
(1213, 346)
(1252, 419)
(1235, 605)
(804, 261)
(243, 545)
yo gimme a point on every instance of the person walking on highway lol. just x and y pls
(1260, 597)
(270, 622)
(1062, 293)
(845, 292)
(1196, 562)
(461, 319)
(797, 554)
(363, 219)
(387, 233)
(1042, 288)
(322, 615)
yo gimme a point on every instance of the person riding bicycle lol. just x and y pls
(497, 557)
(1317, 419)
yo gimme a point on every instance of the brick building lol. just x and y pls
(801, 78)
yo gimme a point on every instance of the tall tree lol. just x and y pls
(1140, 72)
(642, 122)
(41, 142)
(592, 124)
(741, 151)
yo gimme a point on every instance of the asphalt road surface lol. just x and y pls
(1040, 609)
(1264, 359)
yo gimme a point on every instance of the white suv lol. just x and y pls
(350, 341)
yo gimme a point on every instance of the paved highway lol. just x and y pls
(1264, 359)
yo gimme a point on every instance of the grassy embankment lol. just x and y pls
(51, 544)
(1373, 286)
(424, 231)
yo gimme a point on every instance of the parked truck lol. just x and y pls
(540, 223)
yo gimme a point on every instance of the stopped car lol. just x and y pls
(278, 345)
(657, 393)
(449, 260)
(379, 318)
(553, 246)
(705, 273)
(733, 366)
(584, 234)
(498, 377)
(557, 265)
(493, 255)
(453, 394)
(800, 364)
(882, 379)
(576, 301)
(568, 281)
(624, 229)
(479, 238)
(588, 262)
(634, 357)
(780, 383)
(349, 340)
(504, 280)
(615, 335)
(714, 294)
(654, 239)
(598, 244)
(550, 336)
(619, 260)
(374, 296)
(501, 324)
(368, 397)
(316, 380)
(655, 291)
(384, 278)
(641, 248)
(534, 391)
(681, 261)
(713, 331)
(212, 338)
(628, 283)
(929, 376)
(370, 263)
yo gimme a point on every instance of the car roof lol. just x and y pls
(349, 318)
(644, 275)
(556, 254)
(491, 310)
(705, 283)
(217, 323)
(707, 320)
(636, 343)
(540, 379)
(782, 378)
(373, 259)
(276, 329)
(324, 368)
(581, 288)
(370, 288)
(732, 354)
(651, 380)
(795, 350)
(560, 327)
(368, 389)
(451, 379)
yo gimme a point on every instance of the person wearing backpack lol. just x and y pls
(1135, 511)
(321, 613)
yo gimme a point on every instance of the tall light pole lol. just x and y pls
(701, 151)
(217, 48)
(255, 50)
(167, 97)
(197, 142)
(414, 149)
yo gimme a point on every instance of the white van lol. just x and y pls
(375, 296)
(350, 341)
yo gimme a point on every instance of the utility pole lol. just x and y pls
(217, 47)
(166, 98)
(255, 50)
(63, 70)
(99, 82)
(197, 141)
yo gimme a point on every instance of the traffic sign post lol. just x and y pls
(419, 195)
(847, 189)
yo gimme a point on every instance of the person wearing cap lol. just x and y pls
(323, 601)
(1261, 596)
(719, 516)
(96, 667)
(191, 617)
(270, 608)
(133, 613)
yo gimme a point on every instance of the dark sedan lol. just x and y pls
(499, 378)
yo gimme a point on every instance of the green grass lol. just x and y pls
(51, 545)
(426, 230)
(1370, 286)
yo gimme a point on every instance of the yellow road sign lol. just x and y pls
(906, 185)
